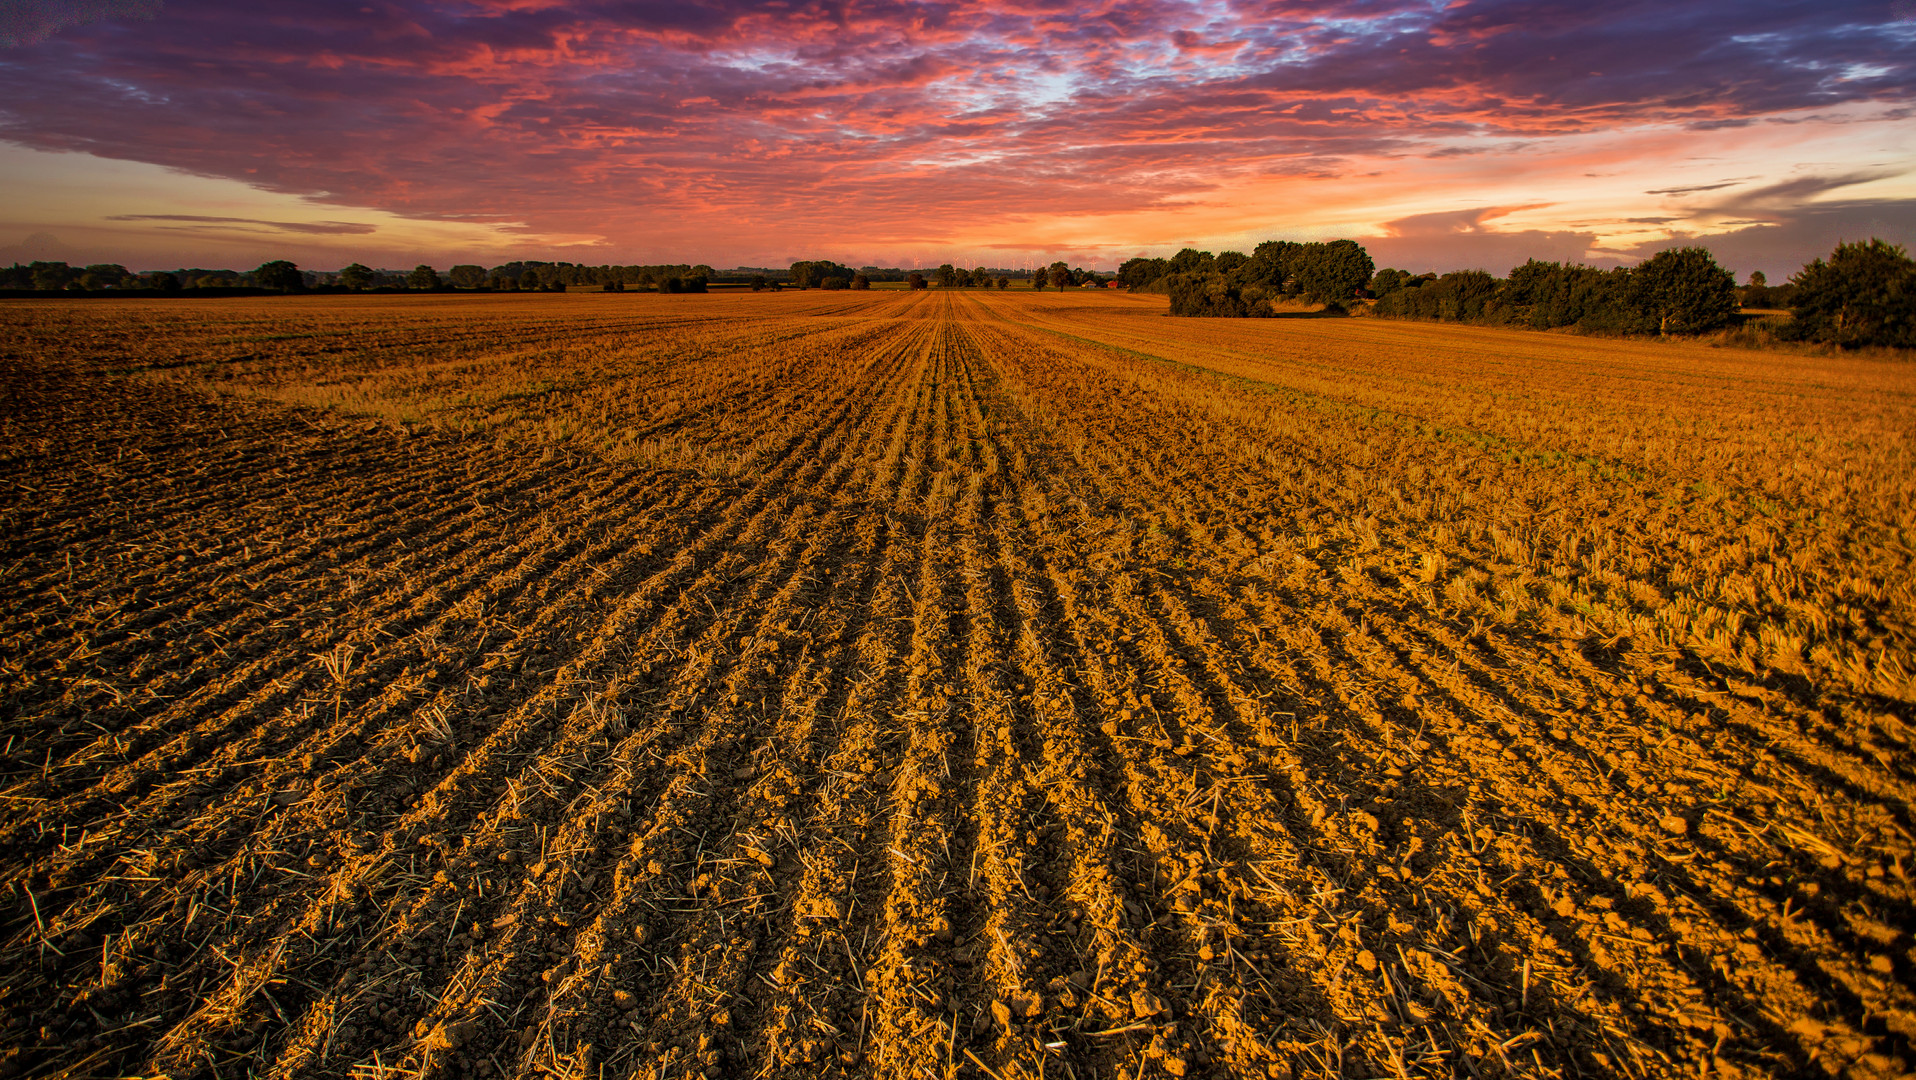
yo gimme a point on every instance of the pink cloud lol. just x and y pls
(641, 120)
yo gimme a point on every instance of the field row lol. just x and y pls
(950, 684)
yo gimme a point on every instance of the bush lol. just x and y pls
(1208, 295)
(1463, 296)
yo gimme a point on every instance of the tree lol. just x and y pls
(1270, 264)
(809, 274)
(529, 278)
(860, 281)
(357, 276)
(1684, 291)
(1059, 275)
(1139, 272)
(1003, 282)
(1864, 295)
(1387, 281)
(1208, 295)
(467, 276)
(166, 282)
(279, 274)
(422, 277)
(947, 276)
(105, 276)
(1334, 271)
(1462, 296)
(1545, 295)
(916, 280)
(759, 282)
(981, 277)
(1192, 261)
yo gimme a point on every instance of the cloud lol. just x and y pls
(653, 124)
(1691, 190)
(46, 247)
(1463, 240)
(315, 228)
(1783, 244)
(1789, 197)
(29, 22)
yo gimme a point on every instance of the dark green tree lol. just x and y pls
(358, 276)
(1684, 291)
(422, 277)
(947, 276)
(105, 276)
(1139, 272)
(1387, 281)
(466, 276)
(1270, 265)
(1192, 261)
(916, 280)
(279, 274)
(1059, 275)
(1864, 295)
(1334, 271)
(811, 274)
(1207, 295)
(1003, 282)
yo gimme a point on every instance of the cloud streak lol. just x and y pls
(310, 228)
(840, 123)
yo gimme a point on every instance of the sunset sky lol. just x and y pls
(1442, 135)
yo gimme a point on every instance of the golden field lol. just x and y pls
(950, 684)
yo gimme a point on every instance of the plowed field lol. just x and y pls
(949, 684)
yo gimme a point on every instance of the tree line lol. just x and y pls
(281, 275)
(1864, 294)
(825, 274)
(1236, 285)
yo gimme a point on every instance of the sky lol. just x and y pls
(1442, 134)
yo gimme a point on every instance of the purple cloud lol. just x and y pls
(649, 122)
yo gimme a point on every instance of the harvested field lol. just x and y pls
(944, 684)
